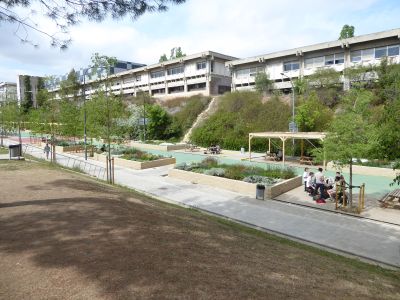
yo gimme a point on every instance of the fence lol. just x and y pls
(69, 162)
(341, 193)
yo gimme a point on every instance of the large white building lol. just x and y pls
(202, 73)
(53, 82)
(294, 63)
(8, 91)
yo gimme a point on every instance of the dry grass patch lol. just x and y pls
(63, 235)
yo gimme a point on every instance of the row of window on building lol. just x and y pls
(329, 60)
(176, 70)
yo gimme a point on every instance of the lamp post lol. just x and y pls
(2, 123)
(292, 127)
(84, 110)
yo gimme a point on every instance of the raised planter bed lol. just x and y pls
(137, 165)
(241, 187)
(157, 147)
(62, 149)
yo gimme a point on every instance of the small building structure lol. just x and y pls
(283, 137)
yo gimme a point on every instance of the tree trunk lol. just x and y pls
(351, 184)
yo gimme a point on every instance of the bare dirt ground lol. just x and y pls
(64, 236)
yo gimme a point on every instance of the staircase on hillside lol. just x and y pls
(212, 106)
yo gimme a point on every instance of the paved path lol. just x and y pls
(369, 239)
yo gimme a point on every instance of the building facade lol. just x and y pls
(87, 74)
(202, 73)
(27, 84)
(338, 55)
(8, 92)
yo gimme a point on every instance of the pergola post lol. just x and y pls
(324, 161)
(283, 150)
(250, 137)
(269, 145)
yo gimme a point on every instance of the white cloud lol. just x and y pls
(235, 27)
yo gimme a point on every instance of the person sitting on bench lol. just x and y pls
(279, 155)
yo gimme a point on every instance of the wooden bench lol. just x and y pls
(192, 148)
(388, 201)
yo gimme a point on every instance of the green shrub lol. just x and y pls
(260, 179)
(138, 155)
(236, 172)
(215, 172)
(209, 162)
(238, 114)
(63, 144)
(267, 176)
(187, 115)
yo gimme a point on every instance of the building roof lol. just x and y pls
(5, 83)
(174, 61)
(338, 43)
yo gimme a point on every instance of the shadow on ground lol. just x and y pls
(133, 248)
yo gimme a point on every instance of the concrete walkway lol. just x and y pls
(372, 240)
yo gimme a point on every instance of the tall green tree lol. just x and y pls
(312, 114)
(103, 113)
(70, 119)
(42, 95)
(27, 102)
(176, 52)
(159, 121)
(163, 58)
(346, 32)
(263, 83)
(350, 133)
(69, 88)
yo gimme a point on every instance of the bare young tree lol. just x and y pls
(66, 13)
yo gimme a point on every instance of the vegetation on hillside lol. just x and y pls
(238, 114)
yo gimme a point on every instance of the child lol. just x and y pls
(310, 184)
(305, 176)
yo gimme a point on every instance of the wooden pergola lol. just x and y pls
(283, 136)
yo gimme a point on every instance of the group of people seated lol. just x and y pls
(275, 155)
(213, 149)
(321, 188)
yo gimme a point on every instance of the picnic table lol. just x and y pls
(271, 156)
(192, 148)
(388, 201)
(307, 160)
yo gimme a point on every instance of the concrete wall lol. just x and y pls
(136, 165)
(363, 170)
(62, 149)
(157, 147)
(241, 187)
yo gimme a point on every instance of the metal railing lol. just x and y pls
(68, 162)
(341, 193)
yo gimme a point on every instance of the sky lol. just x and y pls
(240, 28)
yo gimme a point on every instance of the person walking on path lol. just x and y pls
(47, 150)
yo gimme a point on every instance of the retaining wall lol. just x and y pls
(241, 187)
(364, 170)
(136, 165)
(157, 147)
